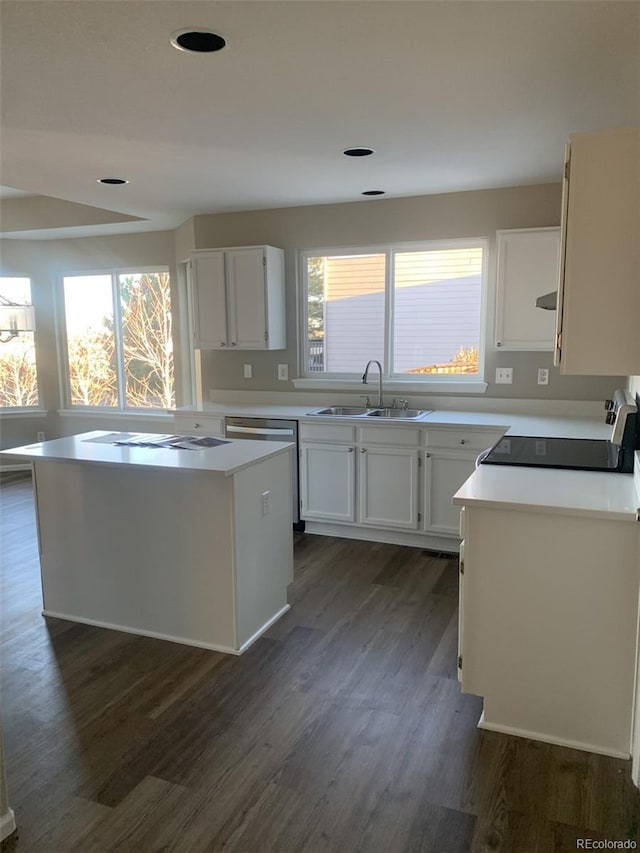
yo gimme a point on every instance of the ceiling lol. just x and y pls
(451, 95)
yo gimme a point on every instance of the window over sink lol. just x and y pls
(414, 307)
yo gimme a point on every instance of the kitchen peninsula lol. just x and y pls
(189, 545)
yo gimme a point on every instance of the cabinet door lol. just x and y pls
(327, 482)
(246, 298)
(209, 300)
(598, 317)
(388, 487)
(445, 472)
(527, 267)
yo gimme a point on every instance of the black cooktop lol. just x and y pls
(574, 453)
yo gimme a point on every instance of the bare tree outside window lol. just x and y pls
(142, 351)
(147, 342)
(18, 376)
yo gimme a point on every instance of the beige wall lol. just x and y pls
(467, 214)
(44, 262)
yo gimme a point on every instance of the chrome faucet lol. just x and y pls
(380, 404)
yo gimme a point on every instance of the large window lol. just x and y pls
(18, 377)
(118, 340)
(414, 308)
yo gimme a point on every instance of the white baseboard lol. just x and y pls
(571, 744)
(184, 641)
(445, 544)
(264, 628)
(7, 824)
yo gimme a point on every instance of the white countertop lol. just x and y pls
(225, 459)
(550, 490)
(543, 426)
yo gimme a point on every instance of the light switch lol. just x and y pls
(283, 371)
(248, 371)
(504, 375)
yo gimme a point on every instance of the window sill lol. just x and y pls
(23, 412)
(458, 386)
(114, 413)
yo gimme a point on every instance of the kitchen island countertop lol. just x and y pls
(224, 459)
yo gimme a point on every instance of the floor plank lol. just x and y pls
(342, 730)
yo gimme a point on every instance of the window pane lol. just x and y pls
(88, 308)
(345, 306)
(436, 328)
(145, 303)
(18, 378)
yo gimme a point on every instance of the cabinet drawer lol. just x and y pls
(198, 425)
(398, 436)
(326, 432)
(462, 439)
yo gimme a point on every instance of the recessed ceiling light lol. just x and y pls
(373, 192)
(113, 181)
(358, 151)
(196, 40)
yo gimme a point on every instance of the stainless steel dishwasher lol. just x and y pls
(270, 429)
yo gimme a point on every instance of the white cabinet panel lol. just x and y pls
(209, 300)
(388, 487)
(599, 297)
(238, 298)
(246, 298)
(527, 267)
(196, 424)
(327, 482)
(445, 472)
(549, 625)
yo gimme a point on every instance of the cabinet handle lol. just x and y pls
(233, 343)
(222, 344)
(196, 426)
(363, 450)
(428, 455)
(350, 450)
(463, 441)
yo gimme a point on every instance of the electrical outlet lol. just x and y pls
(504, 375)
(283, 371)
(39, 436)
(248, 371)
(543, 376)
(265, 503)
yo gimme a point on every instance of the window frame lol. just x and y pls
(472, 383)
(63, 350)
(36, 408)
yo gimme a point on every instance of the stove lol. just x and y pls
(615, 454)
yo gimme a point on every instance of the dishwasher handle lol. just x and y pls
(259, 430)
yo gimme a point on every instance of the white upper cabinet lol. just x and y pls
(238, 298)
(527, 267)
(598, 318)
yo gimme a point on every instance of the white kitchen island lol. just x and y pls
(188, 545)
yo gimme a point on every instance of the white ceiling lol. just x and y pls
(452, 95)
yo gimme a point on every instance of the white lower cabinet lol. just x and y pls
(382, 477)
(327, 482)
(444, 472)
(388, 487)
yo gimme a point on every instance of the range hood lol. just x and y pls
(549, 301)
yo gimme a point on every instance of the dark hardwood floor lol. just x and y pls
(343, 729)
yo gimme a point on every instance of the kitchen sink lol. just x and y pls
(398, 414)
(343, 411)
(362, 412)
